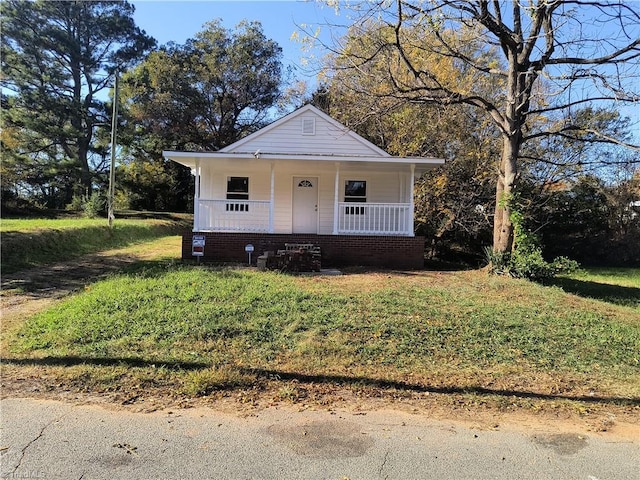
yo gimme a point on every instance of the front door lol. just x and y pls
(305, 205)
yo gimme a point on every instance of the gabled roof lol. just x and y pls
(285, 136)
(307, 134)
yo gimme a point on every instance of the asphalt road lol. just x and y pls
(54, 440)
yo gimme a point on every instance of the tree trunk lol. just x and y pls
(512, 122)
(86, 176)
(503, 231)
(79, 120)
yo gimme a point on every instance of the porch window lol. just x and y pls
(355, 191)
(237, 189)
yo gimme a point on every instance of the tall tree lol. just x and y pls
(57, 57)
(452, 202)
(216, 88)
(203, 95)
(587, 52)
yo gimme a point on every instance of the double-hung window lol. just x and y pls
(238, 190)
(355, 191)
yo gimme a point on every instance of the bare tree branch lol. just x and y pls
(527, 64)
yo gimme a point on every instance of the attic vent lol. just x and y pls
(308, 126)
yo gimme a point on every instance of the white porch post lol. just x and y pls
(336, 199)
(411, 201)
(272, 198)
(196, 199)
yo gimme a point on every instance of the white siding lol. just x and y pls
(213, 184)
(289, 138)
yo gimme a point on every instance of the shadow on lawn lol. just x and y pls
(418, 388)
(618, 295)
(324, 379)
(103, 362)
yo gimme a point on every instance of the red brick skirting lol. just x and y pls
(337, 250)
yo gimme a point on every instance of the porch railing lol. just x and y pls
(375, 218)
(233, 215)
(353, 218)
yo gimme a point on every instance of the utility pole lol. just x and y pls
(112, 170)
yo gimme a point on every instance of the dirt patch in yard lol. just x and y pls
(29, 291)
(620, 423)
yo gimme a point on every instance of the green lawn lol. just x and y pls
(38, 242)
(199, 329)
(624, 277)
(35, 224)
(191, 330)
(614, 285)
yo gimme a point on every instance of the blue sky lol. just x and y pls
(179, 20)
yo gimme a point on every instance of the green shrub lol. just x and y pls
(498, 262)
(95, 205)
(76, 203)
(528, 263)
(526, 260)
(92, 207)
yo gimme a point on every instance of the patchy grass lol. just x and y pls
(204, 381)
(620, 286)
(210, 329)
(38, 242)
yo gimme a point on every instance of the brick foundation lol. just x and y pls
(337, 250)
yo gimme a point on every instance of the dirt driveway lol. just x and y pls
(29, 291)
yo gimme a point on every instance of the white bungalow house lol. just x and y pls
(306, 178)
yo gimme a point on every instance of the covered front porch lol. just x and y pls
(284, 197)
(306, 178)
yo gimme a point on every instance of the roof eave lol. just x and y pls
(189, 158)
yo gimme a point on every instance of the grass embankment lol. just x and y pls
(195, 330)
(38, 242)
